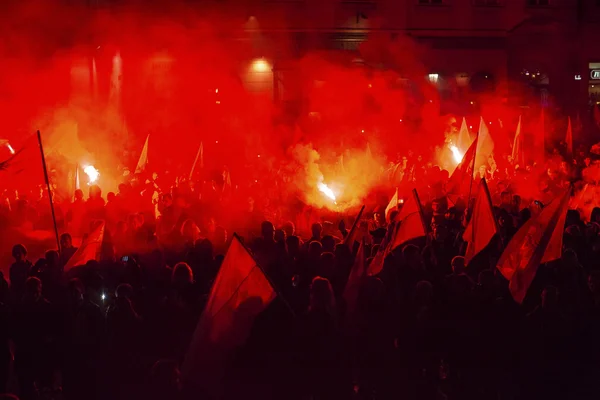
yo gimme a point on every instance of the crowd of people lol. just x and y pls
(428, 326)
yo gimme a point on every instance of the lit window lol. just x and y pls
(535, 3)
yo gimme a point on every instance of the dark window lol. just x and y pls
(534, 3)
(432, 2)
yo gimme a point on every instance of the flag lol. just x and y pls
(463, 170)
(538, 241)
(353, 234)
(199, 156)
(376, 264)
(355, 279)
(393, 204)
(143, 161)
(90, 248)
(569, 138)
(464, 137)
(482, 226)
(411, 221)
(518, 155)
(485, 144)
(240, 292)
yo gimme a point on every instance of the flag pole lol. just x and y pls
(39, 136)
(472, 171)
(277, 291)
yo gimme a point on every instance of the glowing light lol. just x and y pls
(456, 154)
(10, 148)
(326, 191)
(577, 77)
(370, 86)
(433, 78)
(92, 173)
(218, 102)
(470, 126)
(472, 103)
(401, 201)
(400, 120)
(490, 122)
(260, 65)
(258, 156)
(217, 90)
(362, 131)
(216, 142)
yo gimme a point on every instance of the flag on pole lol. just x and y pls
(355, 279)
(569, 138)
(464, 137)
(538, 241)
(482, 226)
(462, 171)
(411, 221)
(392, 205)
(143, 161)
(353, 234)
(90, 248)
(240, 292)
(485, 143)
(518, 155)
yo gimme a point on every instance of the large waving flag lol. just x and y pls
(463, 171)
(464, 137)
(569, 139)
(143, 160)
(518, 155)
(538, 241)
(482, 226)
(392, 205)
(411, 221)
(90, 249)
(240, 292)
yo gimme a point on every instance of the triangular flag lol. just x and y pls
(411, 221)
(569, 138)
(482, 226)
(393, 204)
(355, 279)
(463, 171)
(539, 240)
(463, 142)
(485, 144)
(353, 234)
(517, 150)
(143, 161)
(90, 248)
(240, 292)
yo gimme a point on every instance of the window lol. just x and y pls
(535, 3)
(432, 2)
(487, 3)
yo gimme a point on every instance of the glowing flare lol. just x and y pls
(10, 148)
(260, 65)
(456, 154)
(326, 191)
(92, 173)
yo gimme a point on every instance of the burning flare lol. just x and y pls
(456, 154)
(326, 191)
(92, 173)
